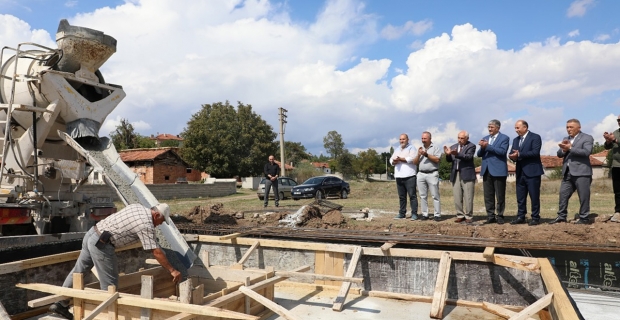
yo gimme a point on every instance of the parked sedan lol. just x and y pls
(284, 188)
(321, 188)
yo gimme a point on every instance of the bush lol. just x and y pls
(304, 171)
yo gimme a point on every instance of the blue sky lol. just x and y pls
(367, 69)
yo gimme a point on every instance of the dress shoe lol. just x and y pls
(59, 309)
(424, 218)
(500, 220)
(459, 220)
(437, 219)
(518, 221)
(399, 217)
(490, 220)
(557, 220)
(583, 221)
(533, 223)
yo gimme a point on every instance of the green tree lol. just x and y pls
(319, 158)
(597, 147)
(444, 168)
(126, 137)
(368, 162)
(345, 164)
(333, 144)
(304, 171)
(295, 152)
(225, 141)
(170, 143)
(385, 159)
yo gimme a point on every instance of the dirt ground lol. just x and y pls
(601, 231)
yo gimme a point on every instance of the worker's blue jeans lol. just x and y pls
(104, 261)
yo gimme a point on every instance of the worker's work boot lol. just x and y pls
(58, 308)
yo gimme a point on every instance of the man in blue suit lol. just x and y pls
(493, 150)
(575, 149)
(526, 154)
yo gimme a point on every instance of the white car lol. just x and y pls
(284, 188)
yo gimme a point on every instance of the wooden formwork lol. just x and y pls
(238, 292)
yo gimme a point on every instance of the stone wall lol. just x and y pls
(219, 188)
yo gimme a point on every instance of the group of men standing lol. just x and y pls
(420, 168)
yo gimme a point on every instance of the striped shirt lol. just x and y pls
(132, 224)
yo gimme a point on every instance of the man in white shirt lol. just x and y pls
(405, 174)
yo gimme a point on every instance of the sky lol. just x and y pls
(368, 69)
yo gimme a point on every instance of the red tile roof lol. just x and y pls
(511, 168)
(320, 164)
(166, 136)
(602, 154)
(286, 166)
(554, 161)
(130, 155)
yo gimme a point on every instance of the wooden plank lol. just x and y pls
(230, 236)
(146, 292)
(268, 303)
(185, 291)
(247, 254)
(561, 304)
(488, 253)
(533, 308)
(291, 274)
(386, 246)
(204, 257)
(344, 289)
(441, 286)
(135, 301)
(499, 310)
(248, 302)
(113, 308)
(515, 262)
(21, 265)
(102, 306)
(319, 265)
(78, 304)
(198, 294)
(44, 301)
(367, 251)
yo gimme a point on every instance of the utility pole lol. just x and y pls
(282, 126)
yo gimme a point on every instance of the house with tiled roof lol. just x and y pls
(321, 166)
(550, 163)
(160, 138)
(511, 172)
(159, 165)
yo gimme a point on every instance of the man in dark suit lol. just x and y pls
(526, 154)
(462, 176)
(576, 171)
(493, 150)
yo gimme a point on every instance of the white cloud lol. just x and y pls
(608, 124)
(199, 52)
(416, 45)
(602, 37)
(573, 33)
(391, 32)
(578, 8)
(71, 3)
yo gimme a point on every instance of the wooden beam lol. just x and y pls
(246, 256)
(78, 304)
(198, 294)
(268, 303)
(488, 253)
(135, 301)
(229, 236)
(146, 292)
(204, 256)
(185, 291)
(151, 261)
(318, 276)
(533, 308)
(499, 310)
(21, 265)
(532, 263)
(248, 303)
(386, 246)
(561, 303)
(113, 308)
(102, 306)
(516, 263)
(344, 289)
(44, 301)
(440, 296)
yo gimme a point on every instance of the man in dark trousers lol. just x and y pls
(526, 154)
(272, 172)
(462, 176)
(575, 149)
(611, 142)
(494, 171)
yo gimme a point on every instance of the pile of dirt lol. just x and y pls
(217, 215)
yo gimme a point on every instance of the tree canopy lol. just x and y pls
(333, 144)
(125, 137)
(294, 152)
(225, 141)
